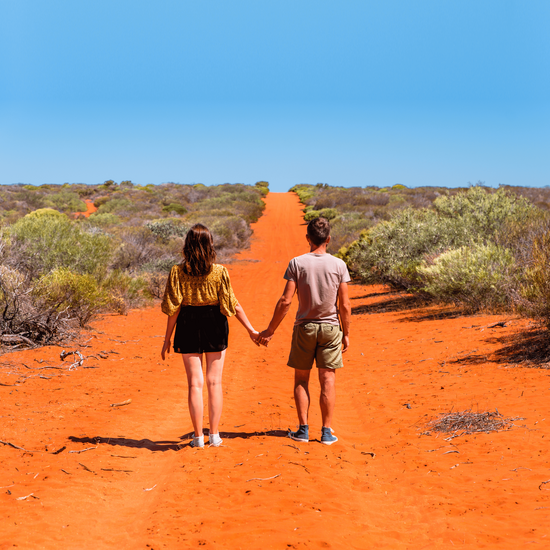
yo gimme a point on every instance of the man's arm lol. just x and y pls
(281, 309)
(344, 305)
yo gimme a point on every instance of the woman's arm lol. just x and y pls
(170, 324)
(243, 319)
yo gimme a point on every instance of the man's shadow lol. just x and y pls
(185, 440)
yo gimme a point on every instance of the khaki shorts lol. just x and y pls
(316, 341)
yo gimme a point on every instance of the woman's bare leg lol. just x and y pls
(214, 369)
(195, 382)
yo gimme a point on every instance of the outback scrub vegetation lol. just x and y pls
(479, 248)
(58, 269)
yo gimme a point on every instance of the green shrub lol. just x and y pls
(104, 219)
(531, 293)
(392, 251)
(124, 291)
(44, 240)
(304, 191)
(481, 213)
(475, 276)
(117, 206)
(71, 294)
(263, 187)
(328, 213)
(167, 228)
(66, 201)
(174, 207)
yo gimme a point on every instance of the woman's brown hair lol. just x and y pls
(198, 250)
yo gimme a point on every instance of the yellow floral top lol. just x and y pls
(203, 290)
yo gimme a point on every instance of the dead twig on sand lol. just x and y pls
(13, 445)
(122, 403)
(83, 450)
(25, 498)
(86, 468)
(262, 478)
(77, 363)
(543, 483)
(297, 464)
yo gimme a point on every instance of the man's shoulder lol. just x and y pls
(318, 258)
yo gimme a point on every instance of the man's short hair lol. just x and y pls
(318, 230)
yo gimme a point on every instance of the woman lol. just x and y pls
(198, 299)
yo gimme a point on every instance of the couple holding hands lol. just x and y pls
(199, 298)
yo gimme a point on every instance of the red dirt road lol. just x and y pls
(124, 477)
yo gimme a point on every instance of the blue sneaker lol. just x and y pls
(301, 434)
(327, 438)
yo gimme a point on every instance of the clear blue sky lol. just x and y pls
(370, 92)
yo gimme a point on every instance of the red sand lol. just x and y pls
(90, 209)
(121, 481)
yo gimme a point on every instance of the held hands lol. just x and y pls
(260, 338)
(264, 337)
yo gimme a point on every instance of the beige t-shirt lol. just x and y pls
(318, 278)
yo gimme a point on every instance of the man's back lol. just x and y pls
(318, 278)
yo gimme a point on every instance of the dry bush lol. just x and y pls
(24, 318)
(468, 422)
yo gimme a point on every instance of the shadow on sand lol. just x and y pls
(528, 349)
(167, 445)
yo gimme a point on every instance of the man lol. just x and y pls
(321, 281)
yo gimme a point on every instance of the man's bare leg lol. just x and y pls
(301, 394)
(327, 379)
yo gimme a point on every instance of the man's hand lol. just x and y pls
(345, 341)
(265, 337)
(165, 349)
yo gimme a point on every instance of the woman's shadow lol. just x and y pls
(184, 441)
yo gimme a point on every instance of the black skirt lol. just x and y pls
(201, 329)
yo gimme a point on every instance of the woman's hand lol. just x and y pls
(165, 349)
(254, 336)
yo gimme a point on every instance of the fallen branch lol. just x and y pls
(86, 468)
(151, 488)
(13, 445)
(122, 403)
(297, 464)
(83, 450)
(25, 498)
(77, 363)
(262, 478)
(544, 482)
(114, 470)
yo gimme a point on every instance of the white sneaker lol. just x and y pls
(197, 442)
(215, 440)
